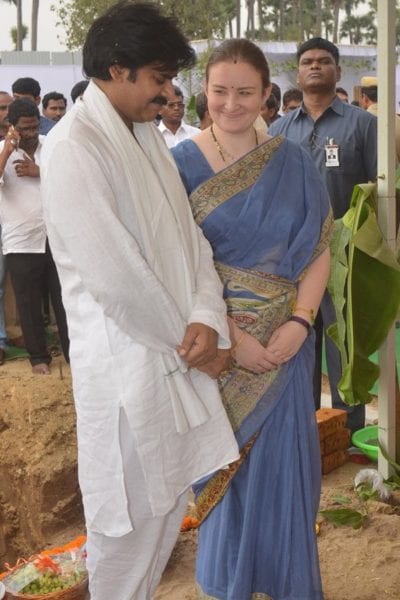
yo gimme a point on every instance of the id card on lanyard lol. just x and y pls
(331, 154)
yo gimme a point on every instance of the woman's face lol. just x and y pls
(235, 95)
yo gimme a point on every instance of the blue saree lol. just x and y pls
(267, 217)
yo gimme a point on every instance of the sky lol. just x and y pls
(47, 30)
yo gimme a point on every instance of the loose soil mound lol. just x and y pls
(39, 495)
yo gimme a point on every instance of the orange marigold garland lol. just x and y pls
(189, 523)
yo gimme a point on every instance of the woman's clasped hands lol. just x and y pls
(284, 343)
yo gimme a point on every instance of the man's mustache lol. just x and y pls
(161, 100)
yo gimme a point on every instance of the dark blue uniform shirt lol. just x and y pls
(352, 129)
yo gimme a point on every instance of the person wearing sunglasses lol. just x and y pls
(172, 126)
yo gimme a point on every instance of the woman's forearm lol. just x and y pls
(312, 287)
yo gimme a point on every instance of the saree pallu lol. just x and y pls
(257, 538)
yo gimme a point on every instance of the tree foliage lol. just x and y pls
(76, 16)
(283, 20)
(15, 36)
(199, 19)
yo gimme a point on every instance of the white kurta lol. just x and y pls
(21, 215)
(134, 271)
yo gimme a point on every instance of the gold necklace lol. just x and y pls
(223, 151)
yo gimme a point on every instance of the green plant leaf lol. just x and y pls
(344, 516)
(365, 492)
(393, 482)
(365, 288)
(339, 499)
(337, 285)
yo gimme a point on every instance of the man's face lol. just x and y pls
(318, 72)
(172, 113)
(55, 110)
(5, 101)
(28, 129)
(364, 103)
(139, 100)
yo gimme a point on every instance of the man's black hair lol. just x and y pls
(178, 91)
(341, 90)
(78, 89)
(371, 92)
(26, 86)
(201, 105)
(53, 96)
(22, 107)
(134, 35)
(321, 44)
(272, 103)
(292, 94)
(276, 91)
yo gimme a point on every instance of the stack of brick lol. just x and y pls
(334, 438)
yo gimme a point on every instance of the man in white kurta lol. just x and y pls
(143, 302)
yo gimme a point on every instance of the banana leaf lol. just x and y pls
(365, 287)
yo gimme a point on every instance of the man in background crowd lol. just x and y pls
(23, 233)
(5, 101)
(54, 106)
(270, 110)
(291, 99)
(26, 87)
(78, 89)
(342, 94)
(369, 101)
(342, 140)
(202, 111)
(276, 91)
(172, 126)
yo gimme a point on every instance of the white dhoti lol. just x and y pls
(130, 567)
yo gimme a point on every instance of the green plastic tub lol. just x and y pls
(367, 440)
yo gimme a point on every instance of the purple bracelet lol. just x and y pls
(302, 321)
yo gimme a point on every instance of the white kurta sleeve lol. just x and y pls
(209, 306)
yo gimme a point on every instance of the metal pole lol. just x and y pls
(387, 214)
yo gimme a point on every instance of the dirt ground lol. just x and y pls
(40, 502)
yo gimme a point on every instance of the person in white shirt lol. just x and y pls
(23, 233)
(172, 126)
(5, 101)
(143, 300)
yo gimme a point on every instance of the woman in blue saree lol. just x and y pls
(261, 204)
